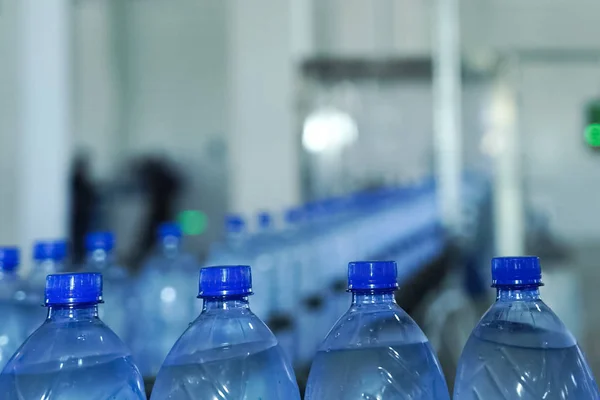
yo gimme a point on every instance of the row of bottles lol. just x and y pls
(300, 284)
(519, 350)
(161, 291)
(297, 266)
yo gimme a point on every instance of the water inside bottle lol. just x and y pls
(75, 379)
(247, 371)
(407, 371)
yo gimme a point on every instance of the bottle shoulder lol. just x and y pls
(218, 334)
(524, 323)
(373, 326)
(68, 342)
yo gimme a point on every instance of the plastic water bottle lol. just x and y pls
(375, 350)
(15, 312)
(234, 249)
(117, 288)
(73, 355)
(166, 299)
(520, 349)
(48, 258)
(228, 353)
(272, 271)
(264, 259)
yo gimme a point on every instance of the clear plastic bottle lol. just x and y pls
(49, 257)
(265, 261)
(73, 355)
(117, 287)
(164, 295)
(375, 350)
(234, 249)
(520, 349)
(270, 269)
(228, 353)
(15, 312)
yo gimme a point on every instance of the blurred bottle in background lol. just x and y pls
(520, 349)
(49, 257)
(117, 285)
(240, 247)
(234, 248)
(228, 352)
(299, 268)
(271, 275)
(375, 351)
(15, 312)
(55, 363)
(165, 296)
(264, 263)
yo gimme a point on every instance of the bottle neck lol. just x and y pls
(235, 239)
(73, 312)
(48, 266)
(225, 303)
(170, 246)
(518, 293)
(99, 259)
(373, 297)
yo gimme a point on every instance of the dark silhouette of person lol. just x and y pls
(83, 204)
(162, 184)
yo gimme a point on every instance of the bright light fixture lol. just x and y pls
(328, 129)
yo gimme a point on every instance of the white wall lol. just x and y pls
(403, 27)
(34, 120)
(358, 28)
(561, 172)
(95, 86)
(152, 79)
(263, 136)
(172, 76)
(8, 121)
(508, 25)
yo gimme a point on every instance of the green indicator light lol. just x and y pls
(192, 222)
(592, 135)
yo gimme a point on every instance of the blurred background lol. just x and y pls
(122, 114)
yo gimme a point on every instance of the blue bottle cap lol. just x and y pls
(9, 258)
(516, 271)
(169, 229)
(100, 241)
(55, 250)
(231, 280)
(372, 275)
(234, 224)
(265, 220)
(82, 288)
